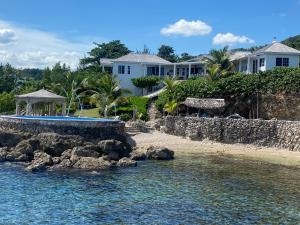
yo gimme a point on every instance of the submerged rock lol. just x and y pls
(159, 153)
(40, 162)
(91, 163)
(126, 162)
(138, 156)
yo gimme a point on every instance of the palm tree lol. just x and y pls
(106, 92)
(171, 106)
(170, 85)
(221, 57)
(213, 72)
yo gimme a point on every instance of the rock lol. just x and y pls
(111, 156)
(24, 147)
(3, 153)
(87, 151)
(40, 162)
(138, 156)
(56, 160)
(55, 144)
(126, 162)
(91, 163)
(11, 138)
(66, 154)
(109, 146)
(159, 153)
(65, 163)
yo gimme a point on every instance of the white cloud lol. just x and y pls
(231, 39)
(7, 36)
(32, 48)
(187, 28)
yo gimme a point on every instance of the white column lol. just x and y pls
(145, 70)
(102, 68)
(64, 109)
(204, 68)
(18, 109)
(28, 109)
(159, 70)
(240, 65)
(248, 65)
(190, 69)
(174, 71)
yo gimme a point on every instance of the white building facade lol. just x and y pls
(267, 58)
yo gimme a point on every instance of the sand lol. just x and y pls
(182, 146)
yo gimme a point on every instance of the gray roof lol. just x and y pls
(238, 55)
(106, 61)
(142, 58)
(205, 103)
(41, 94)
(200, 58)
(277, 47)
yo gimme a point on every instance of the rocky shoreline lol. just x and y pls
(52, 151)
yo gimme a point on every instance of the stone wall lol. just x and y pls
(271, 133)
(87, 129)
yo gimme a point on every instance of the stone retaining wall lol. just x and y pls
(87, 129)
(271, 133)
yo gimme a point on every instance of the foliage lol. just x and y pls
(145, 82)
(170, 85)
(106, 92)
(185, 57)
(171, 107)
(293, 42)
(213, 72)
(111, 50)
(8, 78)
(7, 103)
(167, 52)
(221, 57)
(134, 103)
(237, 85)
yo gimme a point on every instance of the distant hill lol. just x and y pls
(293, 42)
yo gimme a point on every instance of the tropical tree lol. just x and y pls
(171, 107)
(106, 92)
(167, 52)
(221, 57)
(112, 50)
(170, 85)
(214, 71)
(145, 82)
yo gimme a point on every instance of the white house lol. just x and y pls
(266, 58)
(135, 65)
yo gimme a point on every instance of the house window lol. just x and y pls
(153, 70)
(128, 69)
(262, 62)
(282, 62)
(285, 62)
(121, 69)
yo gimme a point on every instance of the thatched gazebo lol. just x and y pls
(45, 97)
(208, 105)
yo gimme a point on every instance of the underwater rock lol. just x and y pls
(159, 153)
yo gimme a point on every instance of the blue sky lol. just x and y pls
(35, 33)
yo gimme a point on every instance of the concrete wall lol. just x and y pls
(271, 133)
(87, 129)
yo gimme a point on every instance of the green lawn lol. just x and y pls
(88, 113)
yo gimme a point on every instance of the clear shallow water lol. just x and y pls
(202, 190)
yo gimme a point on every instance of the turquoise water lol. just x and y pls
(188, 190)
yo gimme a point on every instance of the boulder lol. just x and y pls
(65, 163)
(112, 156)
(91, 163)
(55, 144)
(159, 153)
(11, 138)
(126, 162)
(40, 162)
(23, 152)
(3, 153)
(24, 147)
(56, 160)
(109, 146)
(87, 151)
(66, 154)
(138, 156)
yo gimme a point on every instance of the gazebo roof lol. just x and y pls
(205, 103)
(42, 95)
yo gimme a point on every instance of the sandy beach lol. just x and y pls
(182, 146)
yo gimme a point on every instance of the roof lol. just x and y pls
(106, 61)
(142, 58)
(239, 55)
(277, 47)
(205, 103)
(198, 59)
(41, 94)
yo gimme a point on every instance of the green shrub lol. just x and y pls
(134, 103)
(146, 82)
(237, 85)
(7, 103)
